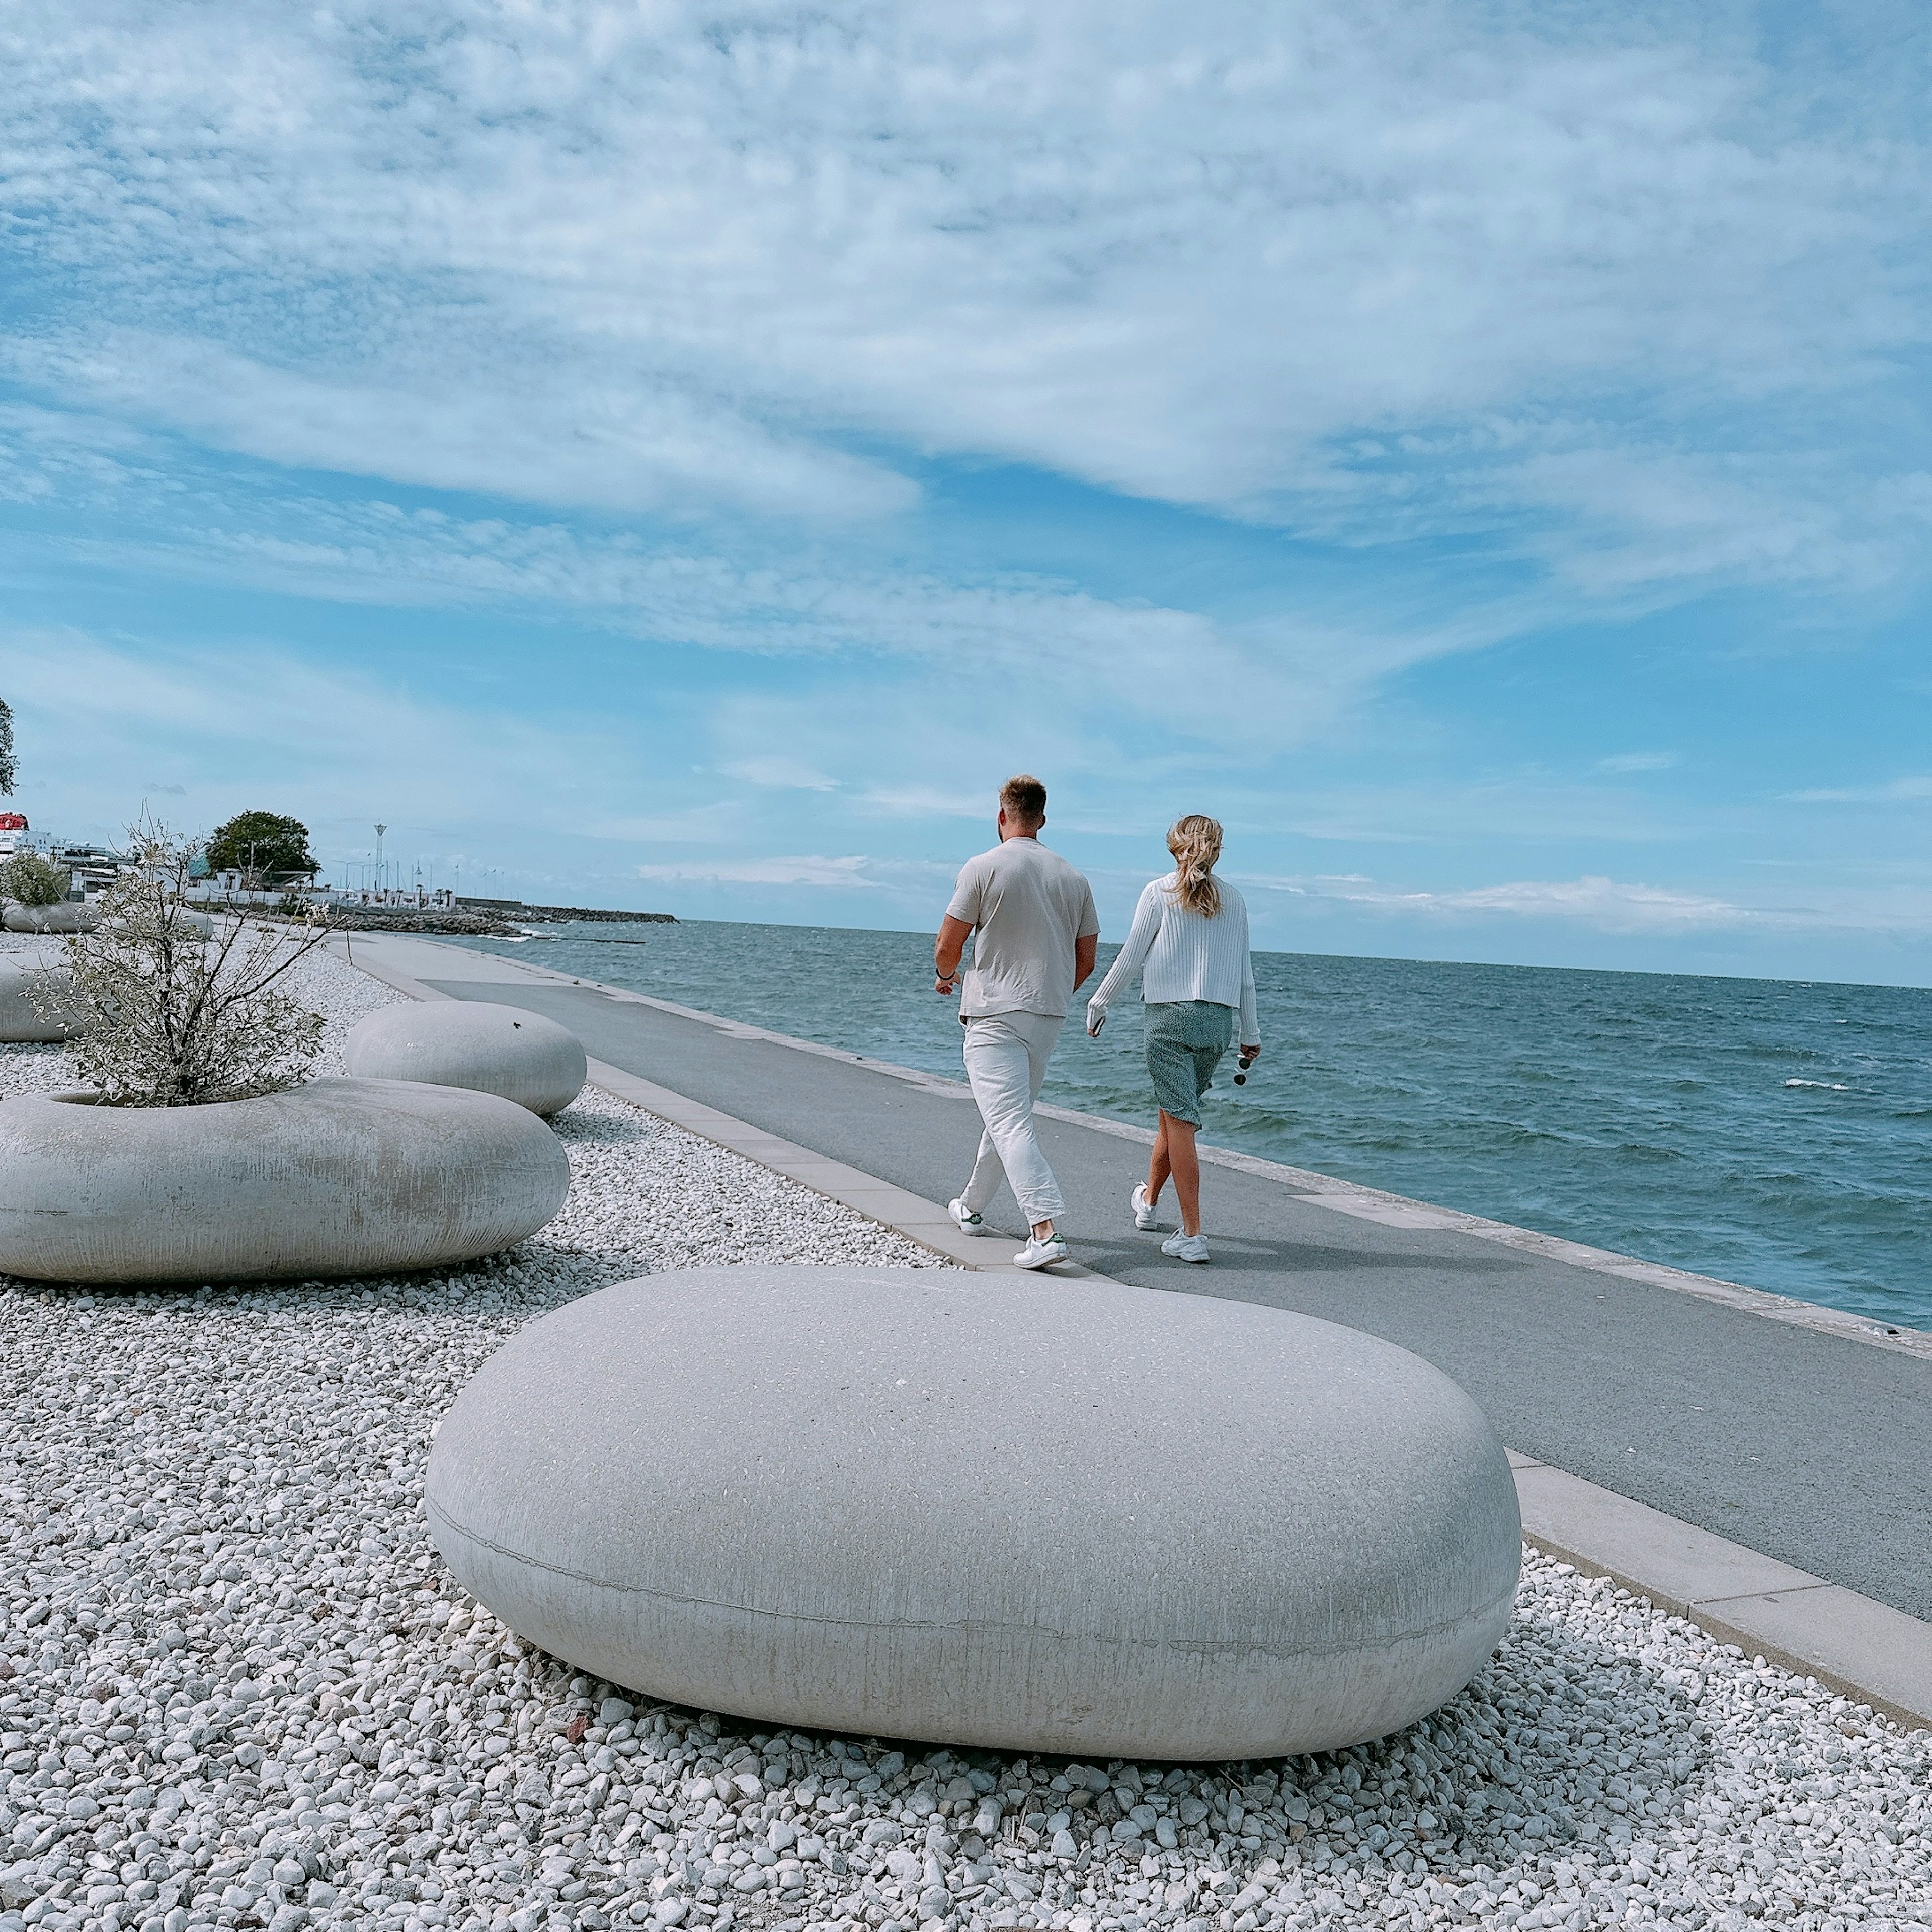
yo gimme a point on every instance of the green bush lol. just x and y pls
(30, 880)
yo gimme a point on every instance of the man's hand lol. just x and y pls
(953, 934)
(1085, 949)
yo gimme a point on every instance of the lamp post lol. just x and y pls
(379, 879)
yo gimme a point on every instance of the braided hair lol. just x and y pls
(1195, 843)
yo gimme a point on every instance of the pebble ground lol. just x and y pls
(237, 1687)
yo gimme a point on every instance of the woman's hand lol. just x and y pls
(1251, 1054)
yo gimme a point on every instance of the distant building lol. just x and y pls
(94, 867)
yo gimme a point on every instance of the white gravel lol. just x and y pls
(237, 1687)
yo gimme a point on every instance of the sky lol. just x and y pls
(684, 458)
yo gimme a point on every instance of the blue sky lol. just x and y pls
(685, 458)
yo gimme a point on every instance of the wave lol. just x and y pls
(1825, 1086)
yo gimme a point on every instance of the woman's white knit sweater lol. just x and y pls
(1183, 955)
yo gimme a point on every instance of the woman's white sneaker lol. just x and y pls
(1039, 1254)
(1186, 1247)
(969, 1223)
(1145, 1215)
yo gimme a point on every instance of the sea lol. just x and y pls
(1774, 1133)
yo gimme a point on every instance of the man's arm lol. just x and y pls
(953, 934)
(1085, 948)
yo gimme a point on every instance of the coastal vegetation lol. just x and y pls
(170, 1013)
(8, 772)
(31, 879)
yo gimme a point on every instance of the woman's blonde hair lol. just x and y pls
(1195, 843)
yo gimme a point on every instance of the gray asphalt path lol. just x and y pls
(1809, 1447)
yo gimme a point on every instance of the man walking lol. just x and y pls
(1037, 934)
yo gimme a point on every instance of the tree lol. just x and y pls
(167, 1014)
(262, 846)
(7, 772)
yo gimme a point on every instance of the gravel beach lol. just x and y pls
(237, 1687)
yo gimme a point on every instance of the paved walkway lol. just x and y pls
(1808, 1447)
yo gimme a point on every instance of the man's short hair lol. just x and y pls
(1024, 799)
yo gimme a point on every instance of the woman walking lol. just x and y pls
(1190, 944)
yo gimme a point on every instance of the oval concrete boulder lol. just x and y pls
(340, 1178)
(23, 1017)
(1038, 1515)
(471, 1043)
(66, 916)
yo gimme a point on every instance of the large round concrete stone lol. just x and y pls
(340, 1178)
(472, 1043)
(67, 916)
(21, 1015)
(1039, 1515)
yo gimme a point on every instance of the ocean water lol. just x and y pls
(1773, 1133)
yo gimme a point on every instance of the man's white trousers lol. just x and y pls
(1006, 1061)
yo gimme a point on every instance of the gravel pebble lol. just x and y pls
(237, 1688)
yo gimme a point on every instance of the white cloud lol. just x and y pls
(1897, 791)
(1366, 270)
(1609, 905)
(338, 746)
(537, 438)
(917, 801)
(779, 774)
(1890, 909)
(1638, 761)
(855, 871)
(1252, 686)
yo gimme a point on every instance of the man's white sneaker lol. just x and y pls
(1144, 1214)
(1186, 1247)
(969, 1223)
(1039, 1254)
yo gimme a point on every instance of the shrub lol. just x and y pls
(30, 880)
(170, 1016)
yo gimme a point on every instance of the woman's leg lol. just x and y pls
(1178, 1137)
(1158, 1169)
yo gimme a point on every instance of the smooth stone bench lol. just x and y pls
(21, 1018)
(472, 1043)
(1031, 1514)
(66, 916)
(339, 1177)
